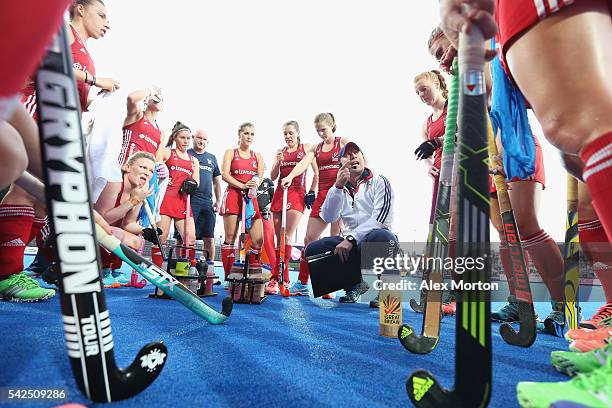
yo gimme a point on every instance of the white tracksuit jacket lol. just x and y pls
(368, 207)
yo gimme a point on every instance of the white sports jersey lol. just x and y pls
(367, 207)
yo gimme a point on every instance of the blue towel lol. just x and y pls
(509, 113)
(143, 220)
(249, 211)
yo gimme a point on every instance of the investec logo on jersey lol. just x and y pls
(289, 164)
(178, 168)
(67, 183)
(329, 167)
(206, 168)
(241, 171)
(148, 139)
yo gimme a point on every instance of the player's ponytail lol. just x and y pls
(442, 83)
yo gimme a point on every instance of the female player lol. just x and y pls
(241, 169)
(285, 161)
(184, 174)
(327, 159)
(121, 210)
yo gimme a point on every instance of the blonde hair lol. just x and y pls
(435, 77)
(136, 156)
(327, 118)
(296, 127)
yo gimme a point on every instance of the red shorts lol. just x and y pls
(174, 205)
(316, 207)
(232, 203)
(539, 175)
(295, 200)
(516, 16)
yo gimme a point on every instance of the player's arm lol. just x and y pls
(260, 166)
(226, 170)
(300, 167)
(315, 175)
(134, 109)
(343, 141)
(196, 170)
(382, 214)
(106, 204)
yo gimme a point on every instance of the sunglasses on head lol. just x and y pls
(156, 99)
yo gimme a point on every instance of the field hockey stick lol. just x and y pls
(281, 251)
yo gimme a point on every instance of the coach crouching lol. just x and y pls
(364, 201)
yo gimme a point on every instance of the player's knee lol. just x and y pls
(15, 158)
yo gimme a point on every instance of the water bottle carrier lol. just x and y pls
(179, 260)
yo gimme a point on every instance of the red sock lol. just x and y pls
(228, 254)
(15, 226)
(597, 173)
(304, 271)
(598, 251)
(254, 259)
(548, 261)
(288, 249)
(37, 226)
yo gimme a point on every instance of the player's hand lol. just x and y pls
(151, 234)
(189, 186)
(107, 84)
(343, 249)
(162, 171)
(446, 62)
(497, 166)
(279, 155)
(455, 21)
(250, 184)
(309, 199)
(343, 175)
(141, 192)
(426, 149)
(216, 206)
(286, 182)
(434, 171)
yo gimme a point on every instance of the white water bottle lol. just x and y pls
(193, 273)
(253, 190)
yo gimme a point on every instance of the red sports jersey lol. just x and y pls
(328, 163)
(26, 30)
(179, 169)
(437, 128)
(290, 160)
(80, 60)
(243, 169)
(141, 136)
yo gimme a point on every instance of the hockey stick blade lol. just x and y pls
(526, 335)
(425, 391)
(414, 342)
(164, 281)
(414, 305)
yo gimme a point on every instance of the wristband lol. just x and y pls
(93, 80)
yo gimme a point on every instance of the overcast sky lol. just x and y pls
(221, 63)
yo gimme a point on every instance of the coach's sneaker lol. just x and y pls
(353, 294)
(121, 278)
(601, 318)
(555, 322)
(108, 280)
(572, 363)
(299, 289)
(592, 389)
(21, 288)
(587, 334)
(375, 303)
(272, 287)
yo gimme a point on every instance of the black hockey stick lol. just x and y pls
(414, 305)
(87, 328)
(438, 248)
(527, 321)
(473, 322)
(164, 281)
